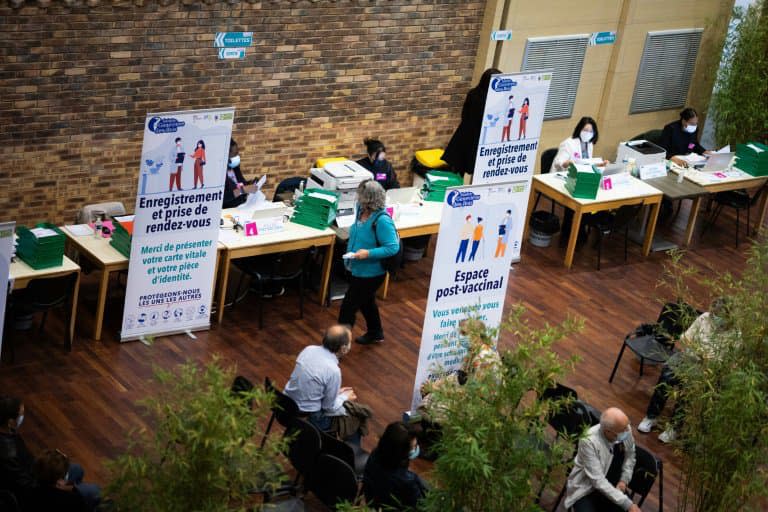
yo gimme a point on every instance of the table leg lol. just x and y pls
(325, 279)
(73, 313)
(651, 228)
(692, 217)
(761, 208)
(384, 288)
(575, 224)
(222, 291)
(101, 304)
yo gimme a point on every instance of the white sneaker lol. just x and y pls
(647, 424)
(668, 435)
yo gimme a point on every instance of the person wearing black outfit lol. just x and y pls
(377, 163)
(387, 481)
(462, 148)
(15, 459)
(54, 492)
(236, 189)
(681, 137)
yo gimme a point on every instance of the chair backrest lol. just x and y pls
(304, 445)
(675, 318)
(287, 186)
(559, 391)
(572, 419)
(110, 209)
(338, 448)
(653, 136)
(49, 292)
(647, 467)
(333, 481)
(285, 409)
(289, 265)
(547, 157)
(625, 214)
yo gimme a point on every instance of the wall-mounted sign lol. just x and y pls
(501, 35)
(231, 53)
(233, 39)
(602, 38)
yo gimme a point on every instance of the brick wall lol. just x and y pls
(76, 84)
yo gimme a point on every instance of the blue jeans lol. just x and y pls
(91, 493)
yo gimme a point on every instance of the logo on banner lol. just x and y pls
(502, 84)
(461, 199)
(164, 125)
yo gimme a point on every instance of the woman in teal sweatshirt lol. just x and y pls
(372, 238)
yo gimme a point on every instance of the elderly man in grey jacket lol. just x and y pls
(589, 489)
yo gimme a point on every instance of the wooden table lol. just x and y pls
(293, 238)
(705, 181)
(106, 259)
(677, 191)
(636, 192)
(22, 274)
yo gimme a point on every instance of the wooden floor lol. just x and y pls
(83, 402)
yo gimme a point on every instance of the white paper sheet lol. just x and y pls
(79, 229)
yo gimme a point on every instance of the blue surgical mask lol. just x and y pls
(234, 161)
(586, 136)
(414, 453)
(19, 421)
(622, 437)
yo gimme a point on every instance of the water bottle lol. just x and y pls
(97, 227)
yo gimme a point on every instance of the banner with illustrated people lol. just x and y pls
(509, 138)
(175, 229)
(480, 230)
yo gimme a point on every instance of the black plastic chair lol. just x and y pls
(653, 136)
(284, 410)
(287, 186)
(41, 296)
(333, 481)
(353, 455)
(647, 468)
(610, 222)
(547, 157)
(738, 200)
(275, 271)
(656, 342)
(304, 446)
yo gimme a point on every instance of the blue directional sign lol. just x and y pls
(602, 38)
(233, 39)
(501, 35)
(231, 53)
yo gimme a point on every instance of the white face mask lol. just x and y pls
(586, 136)
(234, 161)
(691, 128)
(19, 421)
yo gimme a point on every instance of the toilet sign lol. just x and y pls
(233, 39)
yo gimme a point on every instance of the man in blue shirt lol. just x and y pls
(315, 384)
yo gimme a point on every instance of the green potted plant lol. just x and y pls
(201, 451)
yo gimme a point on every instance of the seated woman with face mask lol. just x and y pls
(680, 138)
(377, 163)
(236, 188)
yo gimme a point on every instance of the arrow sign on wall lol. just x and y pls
(231, 53)
(602, 38)
(233, 39)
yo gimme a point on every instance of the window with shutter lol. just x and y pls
(564, 55)
(665, 70)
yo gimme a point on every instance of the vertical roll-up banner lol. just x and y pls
(509, 139)
(478, 236)
(176, 223)
(6, 252)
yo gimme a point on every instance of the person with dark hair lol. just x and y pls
(236, 188)
(372, 238)
(16, 461)
(377, 163)
(315, 384)
(524, 109)
(461, 151)
(506, 131)
(477, 237)
(54, 491)
(177, 157)
(681, 137)
(387, 481)
(576, 148)
(199, 156)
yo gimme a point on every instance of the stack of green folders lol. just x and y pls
(315, 208)
(121, 235)
(752, 158)
(41, 246)
(583, 181)
(437, 182)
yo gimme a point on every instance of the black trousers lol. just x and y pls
(361, 295)
(667, 381)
